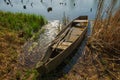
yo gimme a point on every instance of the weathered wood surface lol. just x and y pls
(60, 57)
(64, 44)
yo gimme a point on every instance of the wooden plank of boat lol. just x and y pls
(58, 51)
(62, 46)
(53, 62)
(81, 21)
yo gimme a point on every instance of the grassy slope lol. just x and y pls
(15, 29)
(23, 23)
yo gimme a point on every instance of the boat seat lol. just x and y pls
(81, 21)
(62, 46)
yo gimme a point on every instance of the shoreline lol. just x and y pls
(15, 30)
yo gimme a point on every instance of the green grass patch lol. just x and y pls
(26, 24)
(31, 75)
(37, 35)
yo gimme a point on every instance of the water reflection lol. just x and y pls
(21, 1)
(32, 4)
(72, 8)
(72, 3)
(8, 2)
(34, 51)
(24, 6)
(41, 0)
(49, 9)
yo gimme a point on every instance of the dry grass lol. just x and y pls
(108, 33)
(9, 47)
(104, 46)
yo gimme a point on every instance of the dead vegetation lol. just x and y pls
(9, 47)
(104, 44)
(101, 58)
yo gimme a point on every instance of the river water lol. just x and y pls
(60, 8)
(54, 9)
(34, 50)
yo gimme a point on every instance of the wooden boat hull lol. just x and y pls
(52, 63)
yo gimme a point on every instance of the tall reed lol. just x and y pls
(104, 43)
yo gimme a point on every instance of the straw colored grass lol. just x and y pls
(104, 46)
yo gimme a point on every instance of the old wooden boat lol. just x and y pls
(63, 45)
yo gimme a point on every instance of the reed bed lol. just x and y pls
(104, 44)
